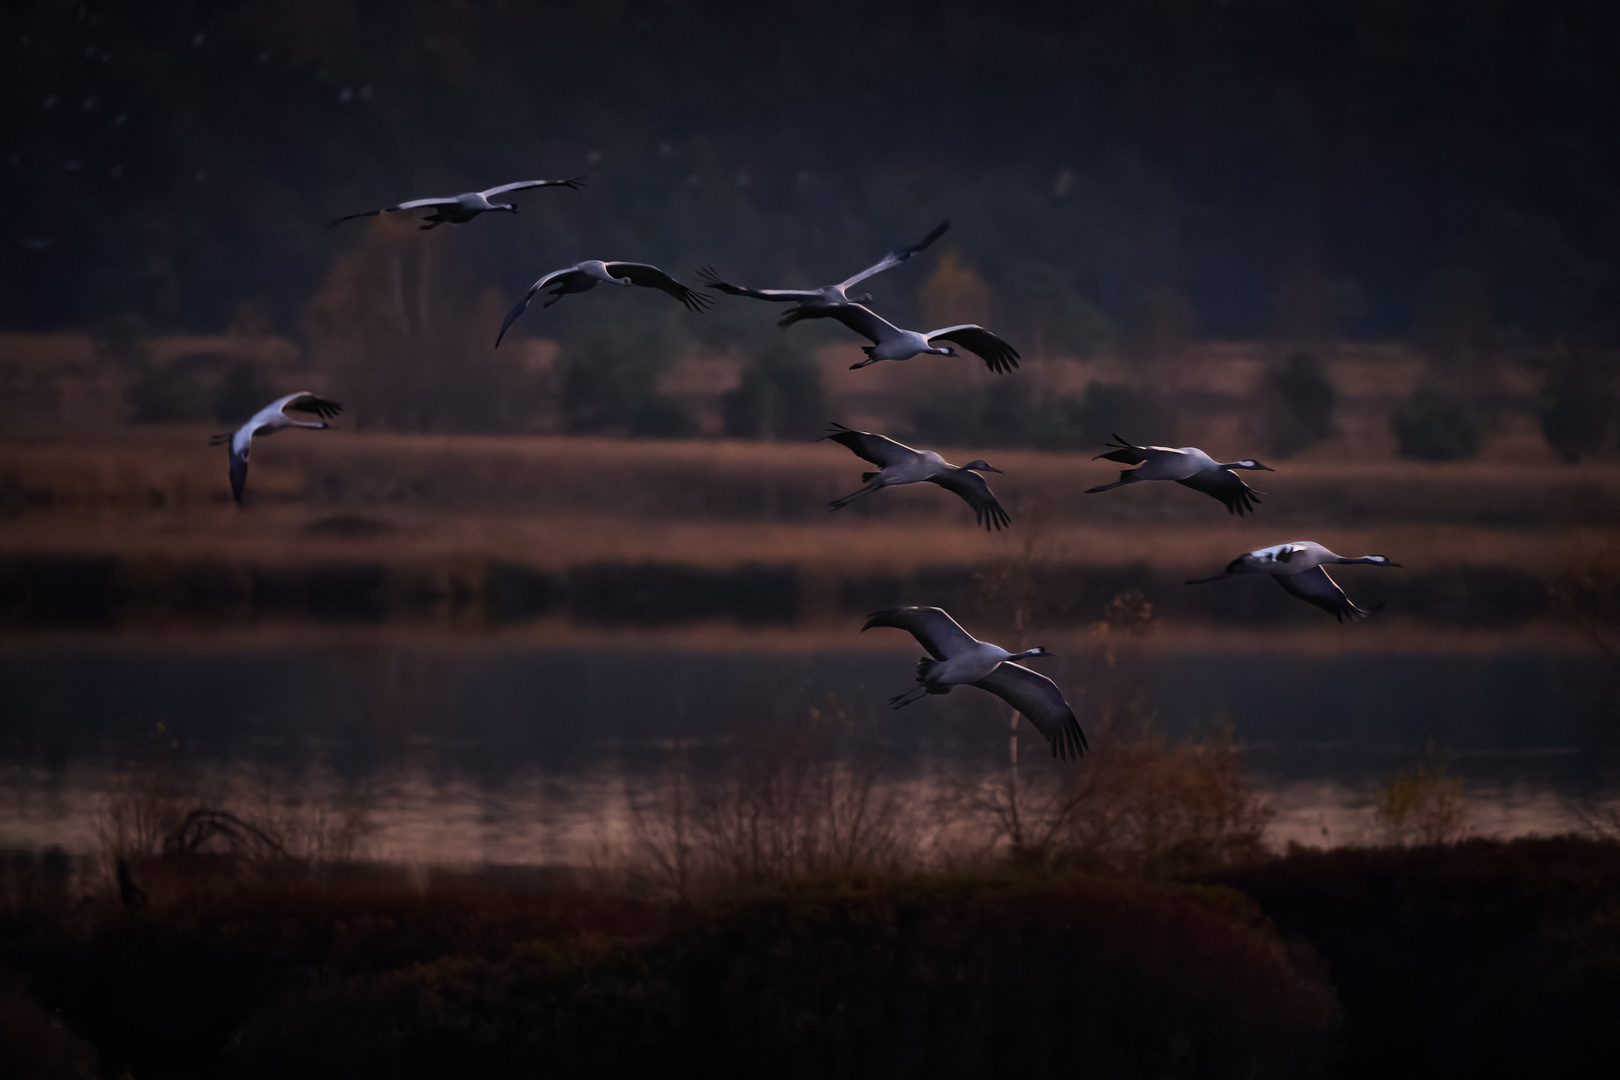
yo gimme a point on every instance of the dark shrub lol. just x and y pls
(1432, 425)
(1484, 958)
(937, 979)
(34, 1045)
(1299, 400)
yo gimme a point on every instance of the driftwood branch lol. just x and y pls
(203, 825)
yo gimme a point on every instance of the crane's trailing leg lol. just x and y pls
(839, 504)
(900, 701)
(1126, 477)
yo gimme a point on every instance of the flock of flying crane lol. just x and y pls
(956, 658)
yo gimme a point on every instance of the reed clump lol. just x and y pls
(1422, 804)
(789, 806)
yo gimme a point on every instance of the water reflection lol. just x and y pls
(530, 756)
(590, 818)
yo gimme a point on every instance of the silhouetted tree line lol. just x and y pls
(178, 157)
(1115, 171)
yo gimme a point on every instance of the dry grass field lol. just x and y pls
(1480, 541)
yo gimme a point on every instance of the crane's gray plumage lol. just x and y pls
(1186, 465)
(1298, 568)
(585, 276)
(1038, 698)
(900, 464)
(934, 630)
(828, 295)
(1225, 485)
(957, 658)
(460, 209)
(1315, 587)
(890, 342)
(267, 421)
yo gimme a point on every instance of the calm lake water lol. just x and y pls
(534, 755)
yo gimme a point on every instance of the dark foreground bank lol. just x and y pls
(1486, 957)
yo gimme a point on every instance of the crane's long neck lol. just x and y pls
(1369, 560)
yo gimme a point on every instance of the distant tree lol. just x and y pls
(658, 417)
(954, 293)
(610, 380)
(1163, 324)
(1299, 402)
(240, 392)
(1457, 334)
(1432, 425)
(1311, 308)
(1010, 414)
(187, 390)
(1061, 322)
(1106, 408)
(171, 394)
(958, 418)
(1576, 407)
(779, 397)
(123, 342)
(400, 327)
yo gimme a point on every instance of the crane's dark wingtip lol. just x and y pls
(937, 232)
(877, 618)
